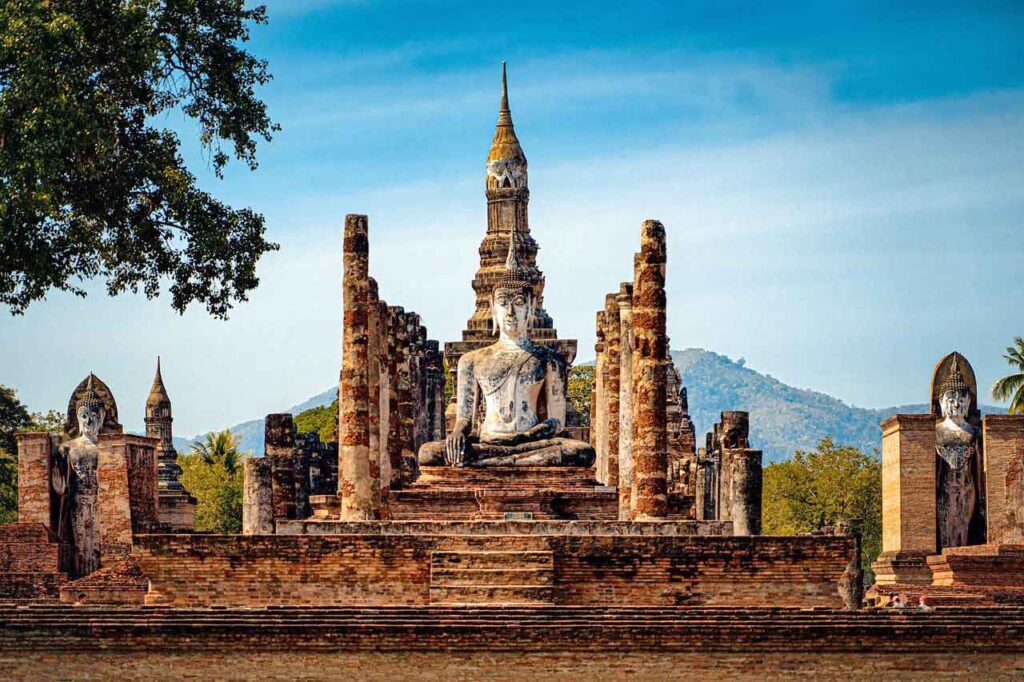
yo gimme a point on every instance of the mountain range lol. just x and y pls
(782, 418)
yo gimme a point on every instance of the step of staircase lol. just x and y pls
(496, 576)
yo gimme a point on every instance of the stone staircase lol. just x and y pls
(492, 571)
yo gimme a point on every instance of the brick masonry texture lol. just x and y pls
(341, 570)
(510, 643)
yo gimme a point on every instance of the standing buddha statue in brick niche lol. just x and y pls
(522, 388)
(957, 471)
(76, 483)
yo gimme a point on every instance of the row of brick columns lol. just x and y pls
(391, 397)
(629, 402)
(390, 401)
(729, 475)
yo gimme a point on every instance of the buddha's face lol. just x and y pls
(512, 311)
(955, 404)
(90, 419)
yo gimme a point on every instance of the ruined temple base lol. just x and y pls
(446, 643)
(30, 563)
(176, 512)
(121, 584)
(902, 568)
(514, 493)
(975, 575)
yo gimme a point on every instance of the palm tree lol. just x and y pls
(1012, 387)
(221, 447)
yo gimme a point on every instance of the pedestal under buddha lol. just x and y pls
(521, 387)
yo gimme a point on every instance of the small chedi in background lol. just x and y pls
(952, 496)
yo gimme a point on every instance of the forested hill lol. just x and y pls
(782, 418)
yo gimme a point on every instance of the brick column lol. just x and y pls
(373, 385)
(599, 417)
(383, 320)
(650, 357)
(257, 497)
(113, 500)
(908, 499)
(624, 300)
(279, 449)
(746, 491)
(612, 364)
(1003, 439)
(35, 457)
(358, 472)
(406, 401)
(396, 360)
(700, 474)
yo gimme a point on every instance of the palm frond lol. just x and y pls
(1007, 386)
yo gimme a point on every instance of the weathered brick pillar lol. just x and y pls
(687, 440)
(599, 418)
(384, 405)
(421, 421)
(699, 494)
(257, 497)
(35, 457)
(113, 500)
(674, 425)
(301, 454)
(407, 400)
(435, 404)
(396, 360)
(279, 449)
(908, 499)
(358, 470)
(650, 358)
(624, 301)
(851, 584)
(373, 382)
(612, 364)
(746, 491)
(1003, 439)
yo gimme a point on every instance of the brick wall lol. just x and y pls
(395, 569)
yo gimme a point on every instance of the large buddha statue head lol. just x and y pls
(955, 395)
(90, 413)
(514, 301)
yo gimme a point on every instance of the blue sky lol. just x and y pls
(842, 185)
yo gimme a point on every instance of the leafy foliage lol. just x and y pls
(212, 472)
(581, 382)
(89, 185)
(822, 487)
(13, 417)
(50, 422)
(1012, 387)
(323, 418)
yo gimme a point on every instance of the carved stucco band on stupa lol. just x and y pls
(508, 197)
(650, 362)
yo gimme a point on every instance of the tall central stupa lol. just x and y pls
(508, 198)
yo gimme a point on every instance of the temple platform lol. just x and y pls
(509, 643)
(514, 492)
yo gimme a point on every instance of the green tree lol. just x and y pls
(823, 487)
(581, 382)
(323, 418)
(212, 472)
(13, 417)
(90, 184)
(51, 421)
(1012, 387)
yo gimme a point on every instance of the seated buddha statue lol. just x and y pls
(516, 380)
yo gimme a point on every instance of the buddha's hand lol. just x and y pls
(59, 479)
(455, 446)
(546, 429)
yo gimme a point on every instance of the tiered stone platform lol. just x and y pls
(508, 643)
(489, 493)
(583, 563)
(973, 575)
